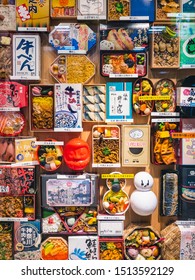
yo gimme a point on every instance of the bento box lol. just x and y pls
(133, 36)
(164, 148)
(165, 88)
(77, 220)
(115, 201)
(6, 56)
(54, 247)
(106, 146)
(41, 109)
(131, 10)
(142, 243)
(72, 69)
(92, 10)
(72, 38)
(8, 15)
(123, 64)
(7, 147)
(166, 10)
(50, 154)
(165, 48)
(68, 107)
(20, 206)
(59, 9)
(94, 103)
(111, 248)
(12, 123)
(143, 91)
(118, 9)
(6, 240)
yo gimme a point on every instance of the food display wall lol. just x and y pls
(46, 59)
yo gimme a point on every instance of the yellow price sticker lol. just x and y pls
(153, 97)
(183, 135)
(118, 176)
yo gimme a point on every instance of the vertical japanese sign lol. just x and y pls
(68, 107)
(26, 57)
(32, 15)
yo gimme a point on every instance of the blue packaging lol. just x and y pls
(143, 8)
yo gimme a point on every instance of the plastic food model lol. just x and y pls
(124, 63)
(11, 123)
(72, 69)
(165, 48)
(165, 87)
(164, 145)
(54, 248)
(117, 9)
(143, 201)
(42, 107)
(142, 90)
(111, 249)
(116, 200)
(50, 156)
(106, 148)
(142, 244)
(77, 154)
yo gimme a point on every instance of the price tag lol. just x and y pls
(135, 18)
(9, 109)
(154, 97)
(183, 135)
(72, 51)
(123, 75)
(117, 175)
(49, 143)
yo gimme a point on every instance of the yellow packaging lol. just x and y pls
(32, 16)
(63, 8)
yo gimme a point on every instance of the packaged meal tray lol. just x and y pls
(142, 243)
(72, 219)
(11, 123)
(54, 248)
(50, 155)
(41, 107)
(6, 240)
(5, 56)
(123, 64)
(72, 69)
(106, 146)
(164, 148)
(143, 89)
(165, 46)
(133, 36)
(115, 200)
(74, 37)
(165, 88)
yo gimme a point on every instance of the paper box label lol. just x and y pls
(32, 15)
(68, 107)
(136, 147)
(26, 57)
(83, 248)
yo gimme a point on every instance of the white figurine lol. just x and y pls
(143, 201)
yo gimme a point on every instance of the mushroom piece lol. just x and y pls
(162, 46)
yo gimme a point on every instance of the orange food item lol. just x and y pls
(143, 107)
